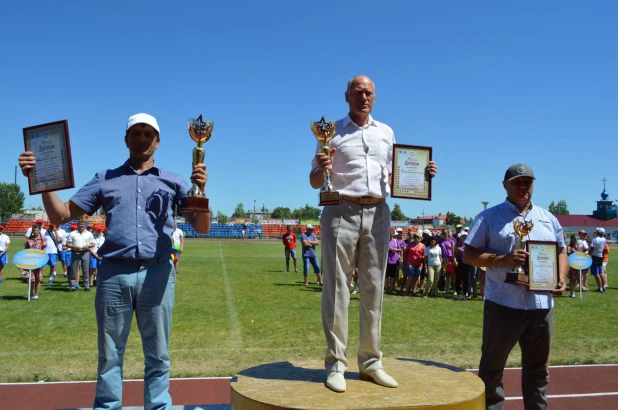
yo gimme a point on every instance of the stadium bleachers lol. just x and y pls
(20, 226)
(222, 231)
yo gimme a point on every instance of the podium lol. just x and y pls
(300, 385)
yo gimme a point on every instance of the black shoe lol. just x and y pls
(71, 289)
(86, 289)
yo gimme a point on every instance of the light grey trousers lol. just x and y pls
(353, 236)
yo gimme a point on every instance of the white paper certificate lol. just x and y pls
(543, 265)
(50, 145)
(409, 178)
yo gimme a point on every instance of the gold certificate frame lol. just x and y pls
(410, 181)
(52, 149)
(542, 265)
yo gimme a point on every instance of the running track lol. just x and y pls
(584, 387)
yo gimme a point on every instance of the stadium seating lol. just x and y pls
(222, 231)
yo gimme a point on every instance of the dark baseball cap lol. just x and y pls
(517, 171)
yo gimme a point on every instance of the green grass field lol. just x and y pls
(236, 307)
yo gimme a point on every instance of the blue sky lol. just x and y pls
(486, 84)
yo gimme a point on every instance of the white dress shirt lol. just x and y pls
(51, 246)
(80, 239)
(364, 158)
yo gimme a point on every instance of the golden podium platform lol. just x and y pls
(300, 385)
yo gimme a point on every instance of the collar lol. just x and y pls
(154, 169)
(348, 120)
(511, 206)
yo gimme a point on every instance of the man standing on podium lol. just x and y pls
(362, 154)
(137, 274)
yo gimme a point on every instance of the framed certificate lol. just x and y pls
(51, 147)
(542, 265)
(409, 178)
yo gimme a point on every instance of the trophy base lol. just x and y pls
(517, 278)
(193, 204)
(330, 198)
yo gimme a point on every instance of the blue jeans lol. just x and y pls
(314, 262)
(147, 290)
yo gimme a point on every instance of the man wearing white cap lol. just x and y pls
(360, 168)
(596, 250)
(137, 274)
(309, 241)
(513, 314)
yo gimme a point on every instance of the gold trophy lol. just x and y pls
(200, 132)
(522, 229)
(324, 132)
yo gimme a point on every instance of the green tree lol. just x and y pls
(307, 212)
(281, 213)
(559, 209)
(397, 214)
(222, 218)
(254, 219)
(452, 219)
(11, 200)
(239, 212)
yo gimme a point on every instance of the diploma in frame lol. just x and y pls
(51, 147)
(409, 178)
(542, 265)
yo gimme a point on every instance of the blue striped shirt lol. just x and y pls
(492, 231)
(138, 209)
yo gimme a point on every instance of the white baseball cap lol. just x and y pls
(309, 226)
(399, 230)
(601, 231)
(426, 232)
(143, 119)
(466, 229)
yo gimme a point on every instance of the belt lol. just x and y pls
(363, 200)
(129, 261)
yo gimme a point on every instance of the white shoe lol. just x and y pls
(336, 382)
(379, 377)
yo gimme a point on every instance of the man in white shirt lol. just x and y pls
(4, 251)
(596, 251)
(80, 242)
(178, 243)
(361, 164)
(62, 253)
(51, 237)
(95, 259)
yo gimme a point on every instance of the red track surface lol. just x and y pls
(566, 384)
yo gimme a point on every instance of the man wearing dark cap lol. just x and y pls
(137, 274)
(513, 314)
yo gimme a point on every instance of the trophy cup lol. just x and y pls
(522, 229)
(200, 132)
(324, 132)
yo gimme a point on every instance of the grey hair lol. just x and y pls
(351, 80)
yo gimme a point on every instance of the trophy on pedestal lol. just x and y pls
(522, 229)
(324, 132)
(200, 131)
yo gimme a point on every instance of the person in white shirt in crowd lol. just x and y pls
(61, 235)
(95, 259)
(5, 241)
(38, 223)
(80, 242)
(583, 246)
(51, 238)
(432, 266)
(178, 243)
(596, 251)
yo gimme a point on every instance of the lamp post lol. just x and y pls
(484, 204)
